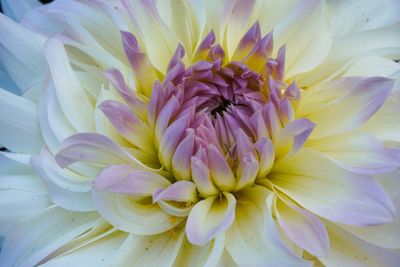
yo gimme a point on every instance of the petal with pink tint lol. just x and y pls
(125, 179)
(236, 17)
(249, 241)
(292, 138)
(115, 77)
(202, 178)
(93, 148)
(248, 41)
(325, 189)
(181, 158)
(170, 140)
(209, 218)
(144, 72)
(247, 171)
(153, 31)
(129, 125)
(302, 227)
(266, 154)
(344, 104)
(181, 191)
(358, 153)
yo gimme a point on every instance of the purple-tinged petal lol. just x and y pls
(292, 138)
(272, 120)
(204, 47)
(247, 171)
(358, 153)
(331, 192)
(266, 154)
(243, 144)
(181, 158)
(124, 179)
(94, 148)
(210, 217)
(253, 239)
(201, 177)
(181, 191)
(258, 124)
(175, 67)
(128, 124)
(221, 172)
(247, 43)
(168, 111)
(286, 112)
(302, 227)
(170, 140)
(115, 77)
(344, 104)
(261, 52)
(144, 72)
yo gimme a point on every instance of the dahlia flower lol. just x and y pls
(200, 133)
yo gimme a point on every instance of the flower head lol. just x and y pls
(198, 134)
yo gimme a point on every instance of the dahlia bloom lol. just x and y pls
(200, 133)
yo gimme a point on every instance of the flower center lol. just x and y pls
(217, 122)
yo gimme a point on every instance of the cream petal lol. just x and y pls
(305, 35)
(156, 250)
(385, 236)
(100, 252)
(248, 242)
(385, 124)
(19, 115)
(346, 17)
(374, 66)
(153, 31)
(181, 18)
(35, 237)
(377, 42)
(201, 256)
(348, 250)
(21, 53)
(209, 218)
(327, 190)
(66, 188)
(391, 183)
(235, 20)
(226, 260)
(68, 88)
(126, 214)
(22, 194)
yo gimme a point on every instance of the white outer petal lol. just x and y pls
(19, 124)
